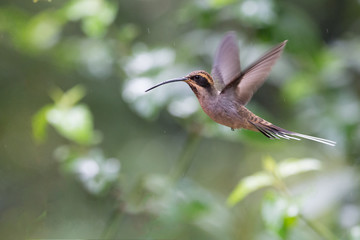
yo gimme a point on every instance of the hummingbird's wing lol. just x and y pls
(255, 75)
(226, 65)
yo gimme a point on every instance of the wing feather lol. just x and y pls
(255, 75)
(226, 65)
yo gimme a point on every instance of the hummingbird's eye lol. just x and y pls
(201, 81)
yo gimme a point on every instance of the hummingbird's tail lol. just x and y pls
(274, 132)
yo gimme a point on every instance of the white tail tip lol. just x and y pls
(316, 139)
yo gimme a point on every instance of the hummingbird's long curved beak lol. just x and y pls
(168, 81)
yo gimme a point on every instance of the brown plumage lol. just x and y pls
(224, 94)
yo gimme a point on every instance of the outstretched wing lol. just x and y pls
(226, 65)
(255, 75)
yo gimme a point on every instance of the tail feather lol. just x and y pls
(274, 132)
(316, 139)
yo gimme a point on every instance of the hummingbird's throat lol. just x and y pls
(193, 88)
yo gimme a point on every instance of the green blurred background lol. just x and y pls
(86, 154)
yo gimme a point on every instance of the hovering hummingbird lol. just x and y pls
(224, 94)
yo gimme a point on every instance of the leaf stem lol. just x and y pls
(185, 158)
(111, 227)
(318, 228)
(322, 231)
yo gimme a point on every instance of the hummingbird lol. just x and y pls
(224, 94)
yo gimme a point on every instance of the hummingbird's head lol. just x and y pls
(199, 81)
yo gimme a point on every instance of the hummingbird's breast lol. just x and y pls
(228, 112)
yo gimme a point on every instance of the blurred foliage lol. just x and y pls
(280, 211)
(272, 175)
(73, 122)
(73, 75)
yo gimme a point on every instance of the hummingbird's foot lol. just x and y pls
(232, 129)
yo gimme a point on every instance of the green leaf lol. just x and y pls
(39, 123)
(268, 178)
(72, 96)
(295, 166)
(273, 209)
(73, 123)
(221, 3)
(192, 210)
(269, 164)
(94, 27)
(96, 15)
(248, 185)
(43, 30)
(279, 214)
